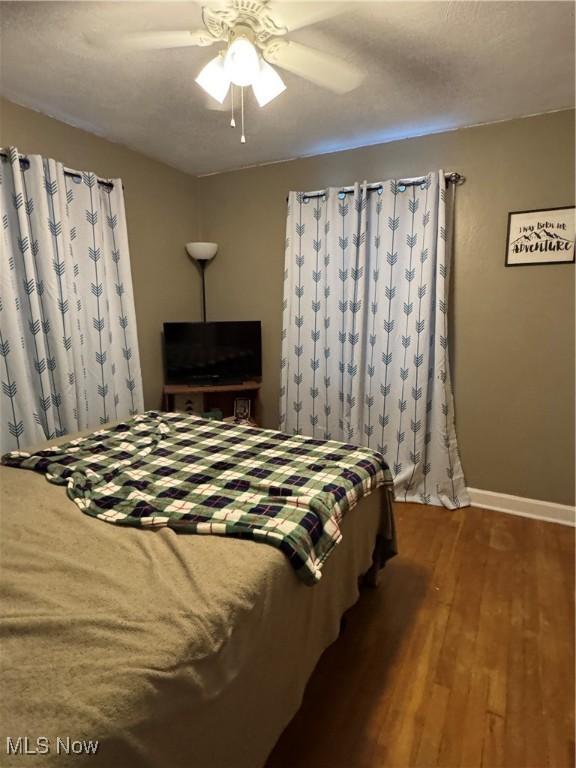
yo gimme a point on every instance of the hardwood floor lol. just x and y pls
(463, 656)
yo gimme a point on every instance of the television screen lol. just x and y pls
(212, 353)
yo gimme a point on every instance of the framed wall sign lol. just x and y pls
(541, 237)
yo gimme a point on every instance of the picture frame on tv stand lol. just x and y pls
(242, 409)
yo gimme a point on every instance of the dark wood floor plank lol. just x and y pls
(555, 640)
(493, 744)
(462, 658)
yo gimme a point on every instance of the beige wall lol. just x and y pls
(162, 216)
(513, 340)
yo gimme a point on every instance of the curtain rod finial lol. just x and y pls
(456, 178)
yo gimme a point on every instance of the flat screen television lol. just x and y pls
(212, 353)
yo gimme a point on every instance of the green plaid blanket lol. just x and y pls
(199, 476)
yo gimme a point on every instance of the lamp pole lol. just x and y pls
(202, 263)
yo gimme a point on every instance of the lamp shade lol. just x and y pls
(268, 84)
(241, 62)
(202, 251)
(214, 79)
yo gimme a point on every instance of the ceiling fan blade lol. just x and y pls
(146, 41)
(291, 16)
(320, 68)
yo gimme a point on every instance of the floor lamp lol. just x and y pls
(202, 253)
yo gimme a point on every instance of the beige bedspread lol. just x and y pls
(169, 650)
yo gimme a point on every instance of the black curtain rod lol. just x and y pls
(452, 177)
(25, 163)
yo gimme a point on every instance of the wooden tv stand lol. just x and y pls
(219, 396)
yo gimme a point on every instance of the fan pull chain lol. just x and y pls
(232, 121)
(243, 137)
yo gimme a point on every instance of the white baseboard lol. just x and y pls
(517, 505)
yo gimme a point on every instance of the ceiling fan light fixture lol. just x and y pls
(242, 62)
(268, 84)
(214, 79)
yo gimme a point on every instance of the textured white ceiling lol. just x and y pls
(429, 66)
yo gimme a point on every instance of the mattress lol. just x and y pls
(165, 649)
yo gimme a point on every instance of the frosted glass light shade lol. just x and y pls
(202, 251)
(268, 84)
(214, 79)
(242, 62)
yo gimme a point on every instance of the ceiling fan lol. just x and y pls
(254, 33)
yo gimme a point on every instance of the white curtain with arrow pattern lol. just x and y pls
(68, 347)
(365, 330)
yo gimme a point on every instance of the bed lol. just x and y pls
(167, 649)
